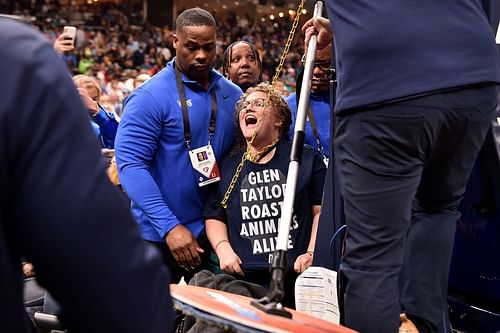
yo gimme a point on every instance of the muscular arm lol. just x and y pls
(136, 144)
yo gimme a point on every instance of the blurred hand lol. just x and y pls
(184, 247)
(319, 26)
(28, 270)
(61, 44)
(303, 262)
(109, 153)
(91, 105)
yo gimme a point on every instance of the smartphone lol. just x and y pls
(70, 33)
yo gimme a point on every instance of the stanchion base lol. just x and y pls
(273, 308)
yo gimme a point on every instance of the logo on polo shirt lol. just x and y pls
(189, 103)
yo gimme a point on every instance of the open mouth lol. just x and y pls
(250, 119)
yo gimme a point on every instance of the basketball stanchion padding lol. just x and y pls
(233, 312)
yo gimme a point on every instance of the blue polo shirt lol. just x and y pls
(152, 156)
(320, 107)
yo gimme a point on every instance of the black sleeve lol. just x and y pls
(213, 208)
(64, 215)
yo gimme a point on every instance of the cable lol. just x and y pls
(333, 239)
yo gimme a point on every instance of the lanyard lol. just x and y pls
(266, 152)
(185, 114)
(314, 127)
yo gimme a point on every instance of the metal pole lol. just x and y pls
(271, 302)
(298, 140)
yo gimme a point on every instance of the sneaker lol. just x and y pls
(406, 325)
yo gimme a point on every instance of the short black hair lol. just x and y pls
(194, 17)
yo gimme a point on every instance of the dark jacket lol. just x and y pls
(59, 210)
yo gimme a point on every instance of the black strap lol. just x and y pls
(185, 114)
(314, 127)
(265, 152)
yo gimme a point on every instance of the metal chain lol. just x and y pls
(248, 155)
(288, 43)
(233, 180)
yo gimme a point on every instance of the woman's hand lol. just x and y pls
(91, 105)
(229, 261)
(61, 44)
(303, 262)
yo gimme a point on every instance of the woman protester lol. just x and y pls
(242, 221)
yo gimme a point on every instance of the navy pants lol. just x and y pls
(403, 168)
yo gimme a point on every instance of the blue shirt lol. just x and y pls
(152, 156)
(389, 50)
(105, 126)
(320, 107)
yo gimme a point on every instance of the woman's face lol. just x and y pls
(243, 68)
(254, 107)
(93, 93)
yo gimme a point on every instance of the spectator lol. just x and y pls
(289, 79)
(103, 122)
(86, 60)
(317, 129)
(104, 40)
(185, 108)
(140, 79)
(58, 209)
(62, 44)
(242, 64)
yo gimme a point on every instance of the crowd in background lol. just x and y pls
(115, 45)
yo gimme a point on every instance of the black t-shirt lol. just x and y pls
(254, 207)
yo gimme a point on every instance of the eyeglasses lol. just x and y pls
(323, 65)
(255, 103)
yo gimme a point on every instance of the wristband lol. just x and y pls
(219, 243)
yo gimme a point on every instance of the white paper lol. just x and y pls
(497, 39)
(316, 293)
